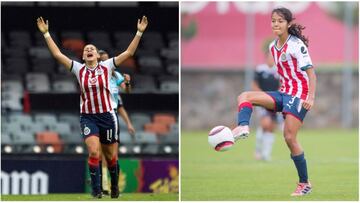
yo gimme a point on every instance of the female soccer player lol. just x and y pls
(97, 119)
(297, 92)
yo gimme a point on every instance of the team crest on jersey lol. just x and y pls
(93, 81)
(283, 57)
(86, 131)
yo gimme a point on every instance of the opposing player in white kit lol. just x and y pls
(297, 91)
(97, 119)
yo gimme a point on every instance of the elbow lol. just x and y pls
(130, 52)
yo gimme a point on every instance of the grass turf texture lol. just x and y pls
(332, 159)
(87, 197)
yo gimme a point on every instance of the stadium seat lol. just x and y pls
(62, 128)
(19, 38)
(15, 51)
(169, 87)
(18, 65)
(167, 119)
(143, 83)
(125, 137)
(46, 118)
(5, 138)
(123, 39)
(40, 52)
(49, 138)
(34, 127)
(158, 128)
(44, 65)
(150, 64)
(37, 82)
(64, 86)
(12, 86)
(146, 137)
(153, 40)
(173, 69)
(19, 118)
(139, 120)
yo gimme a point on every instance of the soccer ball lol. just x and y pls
(221, 138)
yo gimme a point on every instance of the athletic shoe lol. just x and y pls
(105, 193)
(241, 132)
(302, 189)
(115, 192)
(96, 195)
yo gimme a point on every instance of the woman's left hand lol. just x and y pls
(142, 24)
(308, 104)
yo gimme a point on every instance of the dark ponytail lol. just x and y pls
(294, 29)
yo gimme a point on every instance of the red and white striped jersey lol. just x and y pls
(292, 60)
(94, 85)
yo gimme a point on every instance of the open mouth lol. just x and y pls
(89, 55)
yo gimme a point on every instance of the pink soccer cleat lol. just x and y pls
(302, 189)
(241, 132)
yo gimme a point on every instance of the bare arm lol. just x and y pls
(312, 88)
(130, 51)
(126, 84)
(54, 50)
(125, 116)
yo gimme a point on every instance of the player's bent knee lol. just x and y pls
(243, 97)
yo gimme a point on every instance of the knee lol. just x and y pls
(94, 152)
(289, 137)
(243, 97)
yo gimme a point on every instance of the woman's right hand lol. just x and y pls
(43, 27)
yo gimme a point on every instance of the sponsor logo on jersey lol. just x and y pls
(93, 81)
(303, 50)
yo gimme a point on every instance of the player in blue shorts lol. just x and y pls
(98, 121)
(123, 81)
(297, 91)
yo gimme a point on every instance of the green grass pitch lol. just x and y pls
(332, 159)
(87, 197)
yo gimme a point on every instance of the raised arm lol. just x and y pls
(130, 51)
(55, 51)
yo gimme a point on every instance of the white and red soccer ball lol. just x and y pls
(221, 138)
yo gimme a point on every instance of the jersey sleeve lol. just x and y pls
(75, 67)
(119, 78)
(302, 55)
(110, 63)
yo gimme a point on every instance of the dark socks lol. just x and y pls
(94, 174)
(300, 163)
(244, 113)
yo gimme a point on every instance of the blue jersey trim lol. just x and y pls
(304, 68)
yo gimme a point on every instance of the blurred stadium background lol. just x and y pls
(40, 132)
(221, 44)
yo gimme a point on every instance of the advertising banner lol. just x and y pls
(42, 176)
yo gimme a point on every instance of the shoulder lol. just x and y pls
(296, 42)
(76, 66)
(272, 44)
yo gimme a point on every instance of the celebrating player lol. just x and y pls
(124, 82)
(266, 79)
(97, 119)
(297, 91)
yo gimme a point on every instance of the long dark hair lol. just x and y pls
(294, 29)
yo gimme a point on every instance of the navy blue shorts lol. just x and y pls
(288, 104)
(103, 125)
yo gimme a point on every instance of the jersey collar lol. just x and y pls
(279, 49)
